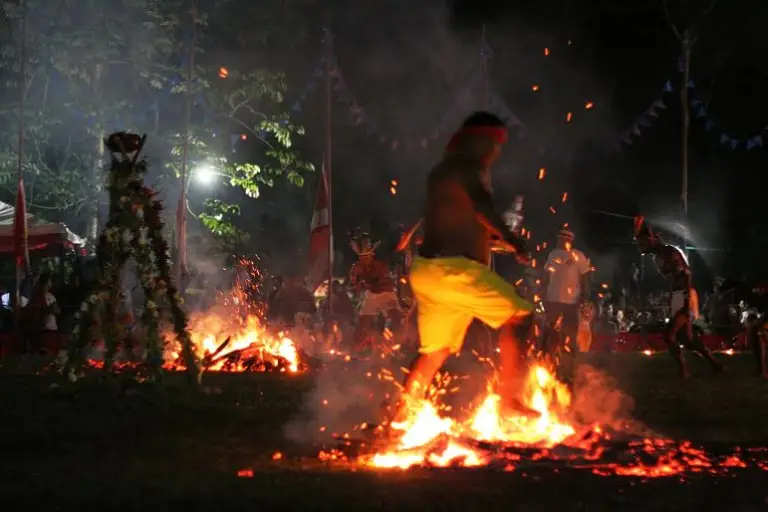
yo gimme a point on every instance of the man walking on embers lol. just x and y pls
(450, 277)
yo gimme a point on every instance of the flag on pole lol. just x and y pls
(181, 235)
(321, 238)
(20, 240)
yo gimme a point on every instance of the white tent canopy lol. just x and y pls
(40, 232)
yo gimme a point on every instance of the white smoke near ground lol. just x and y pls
(344, 395)
(597, 400)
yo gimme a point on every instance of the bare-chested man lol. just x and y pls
(450, 278)
(672, 263)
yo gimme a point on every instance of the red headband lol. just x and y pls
(497, 133)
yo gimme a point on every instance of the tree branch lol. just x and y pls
(671, 21)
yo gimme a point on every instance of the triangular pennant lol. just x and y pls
(735, 143)
(659, 104)
(636, 131)
(512, 119)
(643, 121)
(296, 107)
(668, 86)
(696, 103)
(754, 142)
(701, 112)
(651, 113)
(356, 109)
(690, 84)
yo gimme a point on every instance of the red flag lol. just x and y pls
(20, 241)
(321, 238)
(181, 234)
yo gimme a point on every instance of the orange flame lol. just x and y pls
(424, 428)
(209, 331)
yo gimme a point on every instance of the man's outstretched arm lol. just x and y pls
(482, 202)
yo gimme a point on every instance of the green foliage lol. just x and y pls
(219, 218)
(248, 102)
(92, 66)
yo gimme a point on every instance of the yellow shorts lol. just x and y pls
(451, 292)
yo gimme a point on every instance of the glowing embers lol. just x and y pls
(428, 437)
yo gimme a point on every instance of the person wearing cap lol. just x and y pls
(566, 288)
(672, 264)
(450, 277)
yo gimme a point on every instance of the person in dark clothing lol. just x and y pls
(293, 299)
(672, 263)
(450, 278)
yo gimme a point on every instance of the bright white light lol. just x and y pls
(205, 174)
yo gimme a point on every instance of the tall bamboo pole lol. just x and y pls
(20, 141)
(181, 236)
(328, 155)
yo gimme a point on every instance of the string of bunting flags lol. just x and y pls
(646, 119)
(700, 112)
(448, 122)
(360, 117)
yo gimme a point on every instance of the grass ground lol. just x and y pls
(94, 444)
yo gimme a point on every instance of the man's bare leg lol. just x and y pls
(420, 376)
(363, 331)
(512, 336)
(676, 324)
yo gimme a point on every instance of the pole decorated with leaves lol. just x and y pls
(134, 230)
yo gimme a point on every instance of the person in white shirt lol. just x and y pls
(566, 287)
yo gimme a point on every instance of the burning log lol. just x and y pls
(209, 358)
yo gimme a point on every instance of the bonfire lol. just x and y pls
(432, 436)
(227, 343)
(426, 437)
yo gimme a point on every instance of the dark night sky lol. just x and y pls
(408, 65)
